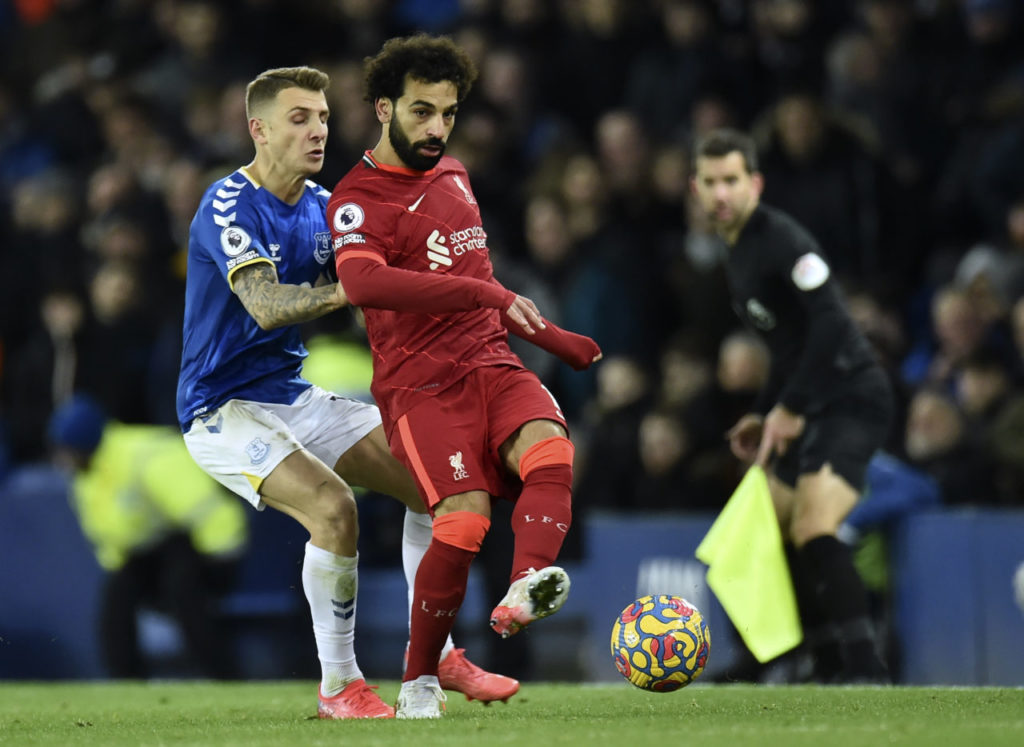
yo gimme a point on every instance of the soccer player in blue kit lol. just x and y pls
(258, 247)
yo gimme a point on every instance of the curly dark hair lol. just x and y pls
(430, 59)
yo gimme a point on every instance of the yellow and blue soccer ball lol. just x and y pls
(660, 643)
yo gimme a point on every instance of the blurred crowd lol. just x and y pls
(893, 129)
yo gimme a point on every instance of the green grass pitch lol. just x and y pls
(282, 713)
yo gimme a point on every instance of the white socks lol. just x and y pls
(330, 582)
(417, 532)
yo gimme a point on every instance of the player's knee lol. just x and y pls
(809, 522)
(802, 533)
(463, 529)
(554, 455)
(334, 507)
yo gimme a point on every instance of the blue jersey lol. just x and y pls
(225, 354)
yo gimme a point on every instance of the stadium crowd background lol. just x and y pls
(893, 129)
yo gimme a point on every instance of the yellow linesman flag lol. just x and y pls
(748, 572)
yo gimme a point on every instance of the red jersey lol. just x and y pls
(411, 250)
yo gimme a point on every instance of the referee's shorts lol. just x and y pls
(845, 433)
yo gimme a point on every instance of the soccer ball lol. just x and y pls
(660, 643)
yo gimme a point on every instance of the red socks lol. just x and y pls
(541, 517)
(440, 589)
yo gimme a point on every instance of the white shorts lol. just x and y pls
(241, 442)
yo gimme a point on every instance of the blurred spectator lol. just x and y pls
(598, 36)
(881, 324)
(788, 39)
(937, 443)
(589, 253)
(43, 241)
(44, 371)
(506, 86)
(182, 187)
(981, 109)
(990, 59)
(880, 72)
(685, 457)
(585, 194)
(711, 409)
(983, 384)
(624, 156)
(610, 457)
(1007, 448)
(356, 27)
(195, 50)
(984, 275)
(113, 188)
(132, 134)
(993, 271)
(670, 185)
(117, 358)
(685, 374)
(224, 139)
(959, 328)
(506, 132)
(666, 480)
(712, 109)
(743, 364)
(884, 328)
(820, 169)
(686, 57)
(169, 537)
(994, 415)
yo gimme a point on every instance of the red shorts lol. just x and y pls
(450, 442)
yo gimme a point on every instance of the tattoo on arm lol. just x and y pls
(273, 304)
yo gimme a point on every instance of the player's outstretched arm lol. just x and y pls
(372, 284)
(273, 304)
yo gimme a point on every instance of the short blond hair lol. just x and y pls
(265, 87)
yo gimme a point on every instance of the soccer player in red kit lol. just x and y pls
(460, 409)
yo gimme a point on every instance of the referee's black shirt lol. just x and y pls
(781, 287)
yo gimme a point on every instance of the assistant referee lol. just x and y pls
(824, 411)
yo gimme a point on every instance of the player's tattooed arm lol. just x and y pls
(273, 304)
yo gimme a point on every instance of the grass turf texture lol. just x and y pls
(278, 713)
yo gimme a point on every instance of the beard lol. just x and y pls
(407, 150)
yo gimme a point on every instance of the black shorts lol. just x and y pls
(845, 433)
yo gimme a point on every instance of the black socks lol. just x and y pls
(834, 609)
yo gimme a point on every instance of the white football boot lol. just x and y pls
(535, 595)
(421, 698)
